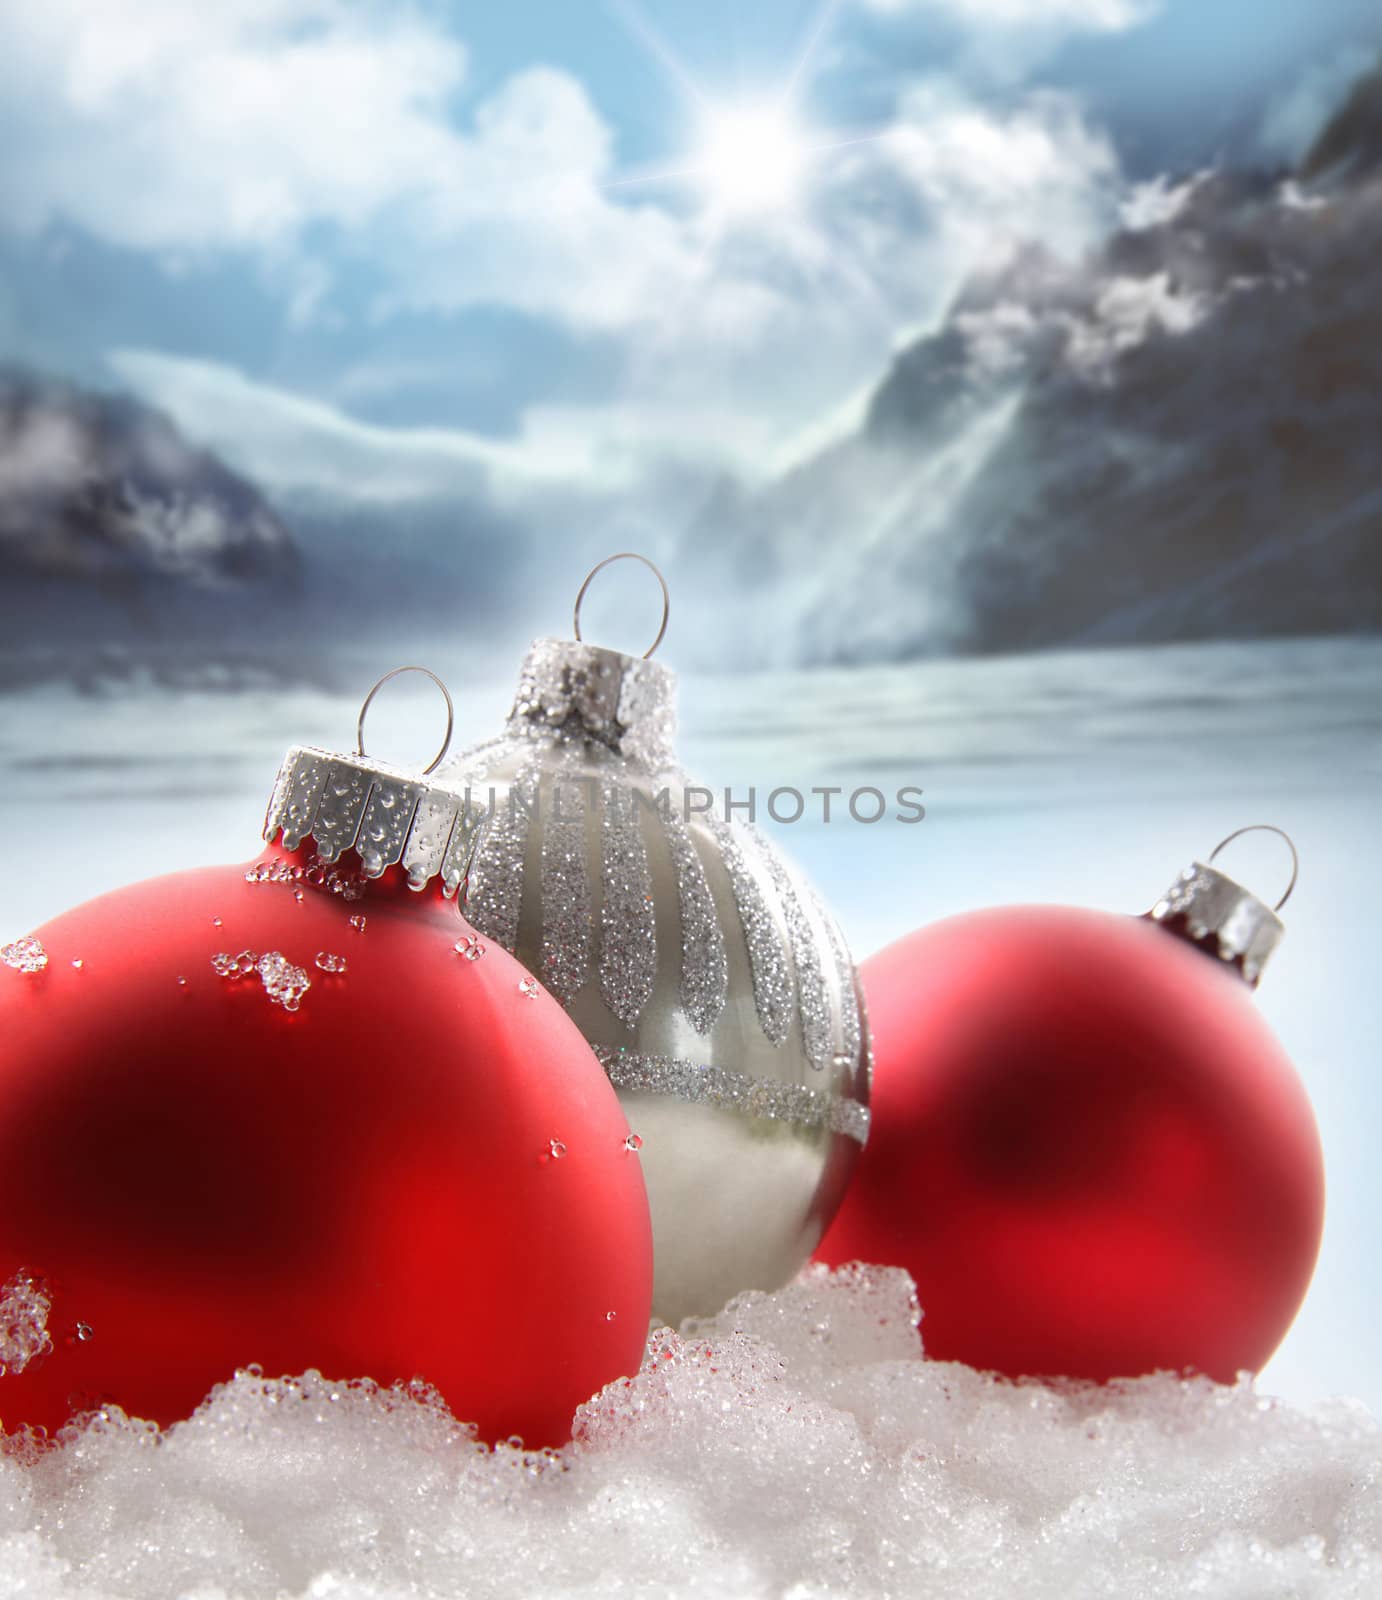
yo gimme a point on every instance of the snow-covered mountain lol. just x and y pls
(117, 535)
(1179, 436)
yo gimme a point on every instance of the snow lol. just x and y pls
(24, 1336)
(796, 1445)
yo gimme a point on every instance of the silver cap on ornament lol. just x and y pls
(388, 815)
(1218, 915)
(711, 982)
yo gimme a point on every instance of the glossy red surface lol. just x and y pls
(1087, 1148)
(365, 1186)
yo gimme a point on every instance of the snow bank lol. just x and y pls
(797, 1445)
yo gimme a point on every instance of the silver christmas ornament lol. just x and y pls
(712, 984)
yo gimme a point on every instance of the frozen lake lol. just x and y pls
(1085, 778)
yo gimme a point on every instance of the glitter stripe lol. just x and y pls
(813, 998)
(494, 887)
(637, 1071)
(628, 925)
(566, 930)
(704, 964)
(852, 1032)
(772, 976)
(862, 1020)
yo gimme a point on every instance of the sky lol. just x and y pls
(385, 251)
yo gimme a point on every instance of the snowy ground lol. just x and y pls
(820, 1457)
(795, 1446)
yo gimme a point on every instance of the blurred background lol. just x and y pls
(998, 382)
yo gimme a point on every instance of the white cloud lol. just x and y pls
(1099, 16)
(522, 218)
(268, 126)
(731, 351)
(1158, 201)
(1038, 170)
(1127, 312)
(239, 125)
(289, 441)
(162, 125)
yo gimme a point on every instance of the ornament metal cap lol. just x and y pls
(578, 692)
(581, 692)
(1217, 914)
(388, 814)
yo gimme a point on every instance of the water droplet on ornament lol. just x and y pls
(632, 1143)
(842, 1062)
(557, 1149)
(216, 922)
(610, 1315)
(83, 1331)
(25, 955)
(528, 987)
(182, 983)
(358, 923)
(78, 963)
(329, 963)
(388, 800)
(298, 896)
(469, 947)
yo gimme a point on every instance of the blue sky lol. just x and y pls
(394, 250)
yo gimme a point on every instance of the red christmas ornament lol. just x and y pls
(1087, 1148)
(297, 1115)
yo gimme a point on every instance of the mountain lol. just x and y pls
(1351, 143)
(1178, 436)
(117, 533)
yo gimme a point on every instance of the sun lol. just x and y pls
(751, 157)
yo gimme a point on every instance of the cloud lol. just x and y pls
(889, 229)
(290, 441)
(983, 175)
(309, 135)
(1097, 16)
(294, 443)
(243, 125)
(247, 124)
(1007, 42)
(164, 126)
